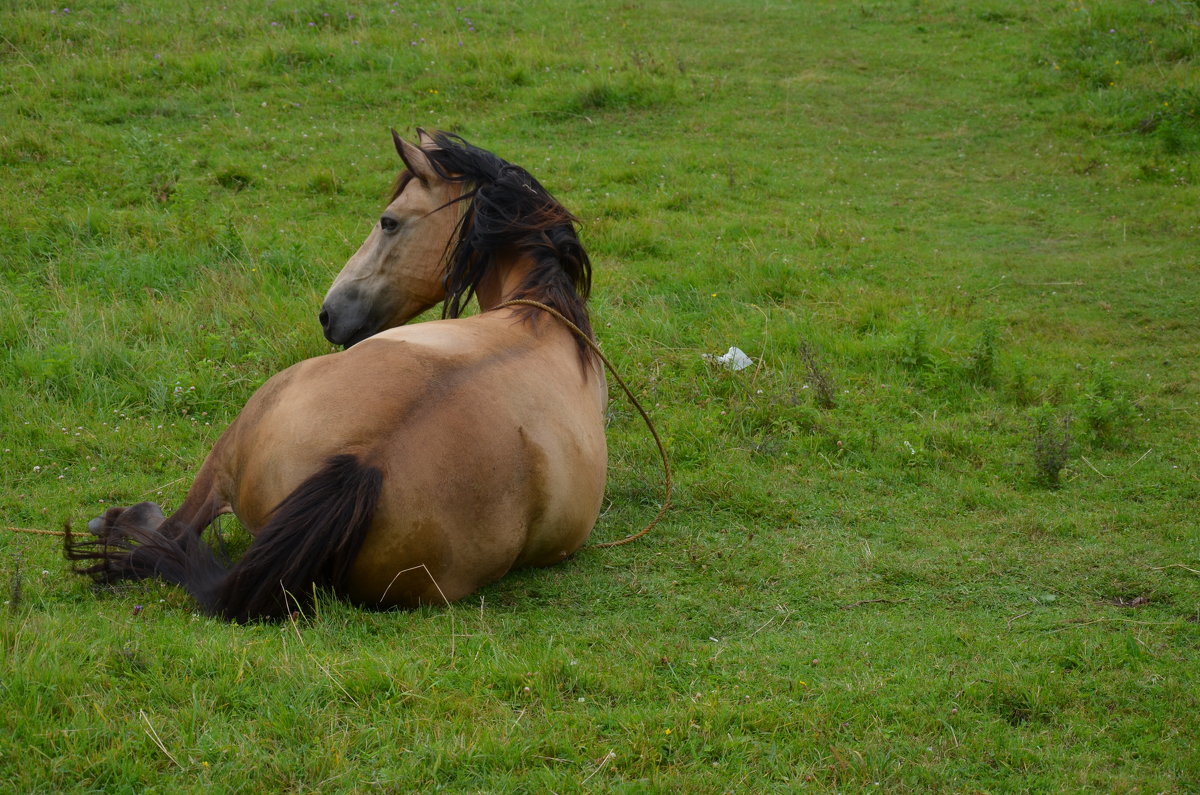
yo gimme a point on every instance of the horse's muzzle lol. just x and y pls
(343, 326)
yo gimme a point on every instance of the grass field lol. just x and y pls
(941, 536)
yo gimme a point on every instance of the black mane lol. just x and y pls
(509, 211)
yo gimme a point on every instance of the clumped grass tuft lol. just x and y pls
(623, 94)
(325, 183)
(234, 178)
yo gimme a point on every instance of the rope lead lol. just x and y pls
(666, 503)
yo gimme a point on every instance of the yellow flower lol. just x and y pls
(666, 731)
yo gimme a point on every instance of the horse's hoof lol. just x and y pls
(117, 522)
(101, 526)
(146, 516)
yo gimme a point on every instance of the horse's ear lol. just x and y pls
(415, 158)
(426, 140)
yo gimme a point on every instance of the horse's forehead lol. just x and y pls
(417, 196)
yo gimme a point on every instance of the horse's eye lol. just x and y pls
(389, 224)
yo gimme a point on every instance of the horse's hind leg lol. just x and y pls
(119, 547)
(205, 501)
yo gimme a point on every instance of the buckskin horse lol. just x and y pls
(423, 461)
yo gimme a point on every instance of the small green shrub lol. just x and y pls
(1050, 444)
(914, 352)
(981, 366)
(1106, 412)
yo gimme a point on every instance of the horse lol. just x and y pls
(423, 461)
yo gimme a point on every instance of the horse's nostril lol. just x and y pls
(324, 318)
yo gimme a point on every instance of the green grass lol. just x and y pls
(940, 537)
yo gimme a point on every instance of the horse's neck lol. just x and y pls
(502, 282)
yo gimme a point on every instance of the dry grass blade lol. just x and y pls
(611, 755)
(1174, 566)
(150, 730)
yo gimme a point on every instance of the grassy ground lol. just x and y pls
(940, 536)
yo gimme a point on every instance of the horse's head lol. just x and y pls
(398, 271)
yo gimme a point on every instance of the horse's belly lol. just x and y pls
(573, 492)
(454, 528)
(412, 556)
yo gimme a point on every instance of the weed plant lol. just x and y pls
(1051, 442)
(951, 222)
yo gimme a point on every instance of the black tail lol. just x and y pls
(312, 539)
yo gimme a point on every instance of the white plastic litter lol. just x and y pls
(734, 359)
